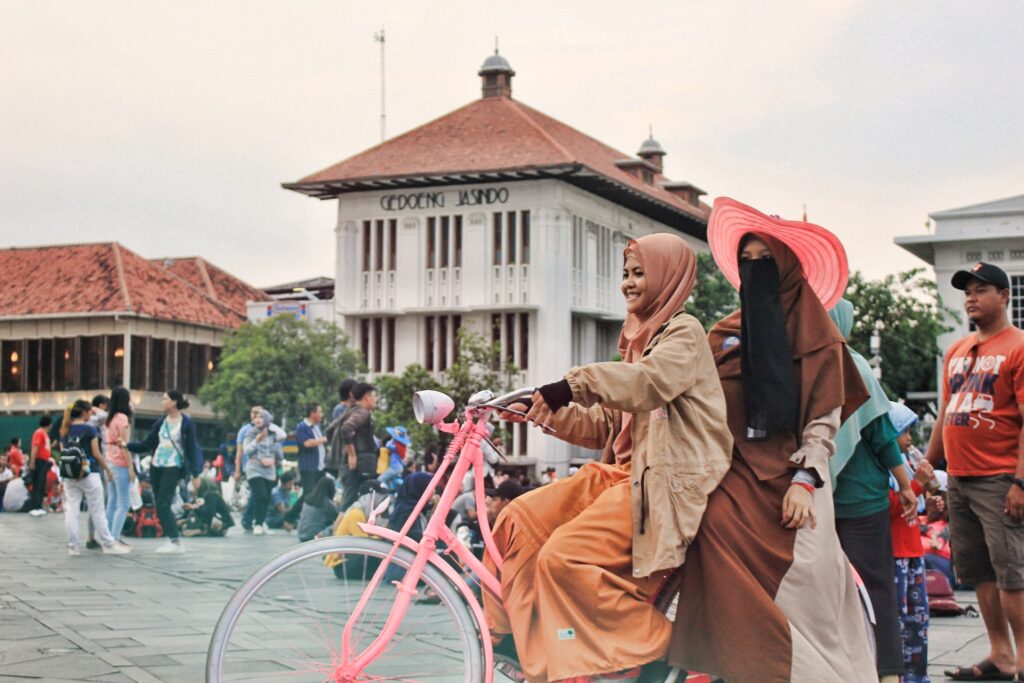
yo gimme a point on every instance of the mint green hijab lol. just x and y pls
(877, 405)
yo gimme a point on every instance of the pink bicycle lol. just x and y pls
(296, 619)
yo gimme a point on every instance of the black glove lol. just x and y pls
(556, 395)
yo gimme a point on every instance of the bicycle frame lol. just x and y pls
(464, 451)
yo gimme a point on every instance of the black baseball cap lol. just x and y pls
(986, 272)
(508, 489)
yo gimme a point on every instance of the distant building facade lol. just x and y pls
(76, 320)
(992, 232)
(501, 220)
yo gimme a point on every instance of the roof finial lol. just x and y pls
(495, 44)
(650, 131)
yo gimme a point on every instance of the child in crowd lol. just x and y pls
(911, 587)
(397, 447)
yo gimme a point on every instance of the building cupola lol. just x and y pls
(496, 74)
(652, 151)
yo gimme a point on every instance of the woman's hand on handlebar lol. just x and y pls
(540, 414)
(513, 417)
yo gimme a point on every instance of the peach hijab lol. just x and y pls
(670, 268)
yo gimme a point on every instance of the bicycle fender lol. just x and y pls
(460, 583)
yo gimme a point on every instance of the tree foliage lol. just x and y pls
(479, 366)
(282, 364)
(905, 309)
(713, 297)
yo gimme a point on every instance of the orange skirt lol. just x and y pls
(570, 600)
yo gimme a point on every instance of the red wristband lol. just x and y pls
(807, 487)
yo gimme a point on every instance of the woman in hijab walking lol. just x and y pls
(866, 454)
(262, 447)
(766, 593)
(584, 555)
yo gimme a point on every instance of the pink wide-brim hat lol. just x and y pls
(820, 253)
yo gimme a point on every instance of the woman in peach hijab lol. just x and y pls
(584, 556)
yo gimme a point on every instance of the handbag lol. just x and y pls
(267, 461)
(135, 495)
(366, 464)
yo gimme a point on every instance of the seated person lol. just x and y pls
(282, 514)
(207, 514)
(371, 495)
(318, 510)
(15, 496)
(6, 473)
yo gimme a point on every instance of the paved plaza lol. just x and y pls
(147, 617)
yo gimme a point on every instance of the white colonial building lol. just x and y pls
(992, 232)
(502, 220)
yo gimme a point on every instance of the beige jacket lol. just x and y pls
(682, 446)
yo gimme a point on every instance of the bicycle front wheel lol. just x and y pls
(286, 620)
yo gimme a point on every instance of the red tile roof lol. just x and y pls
(103, 278)
(489, 135)
(218, 284)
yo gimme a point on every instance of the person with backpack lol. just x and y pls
(81, 466)
(176, 455)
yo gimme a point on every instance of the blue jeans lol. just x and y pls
(118, 500)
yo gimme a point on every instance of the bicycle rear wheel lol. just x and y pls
(286, 621)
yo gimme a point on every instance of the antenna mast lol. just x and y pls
(379, 37)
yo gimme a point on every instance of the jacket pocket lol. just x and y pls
(671, 503)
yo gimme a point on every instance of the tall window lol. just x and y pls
(1017, 299)
(160, 365)
(389, 365)
(378, 345)
(367, 227)
(431, 242)
(430, 350)
(457, 257)
(115, 361)
(497, 240)
(379, 251)
(525, 228)
(92, 362)
(392, 242)
(140, 357)
(13, 375)
(445, 240)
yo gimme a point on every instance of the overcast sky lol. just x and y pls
(170, 126)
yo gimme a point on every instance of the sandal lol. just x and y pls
(984, 670)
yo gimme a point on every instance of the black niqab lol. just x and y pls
(770, 393)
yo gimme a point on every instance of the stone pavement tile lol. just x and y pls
(76, 666)
(116, 677)
(153, 660)
(177, 674)
(113, 643)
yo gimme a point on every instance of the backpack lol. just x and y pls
(941, 600)
(74, 461)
